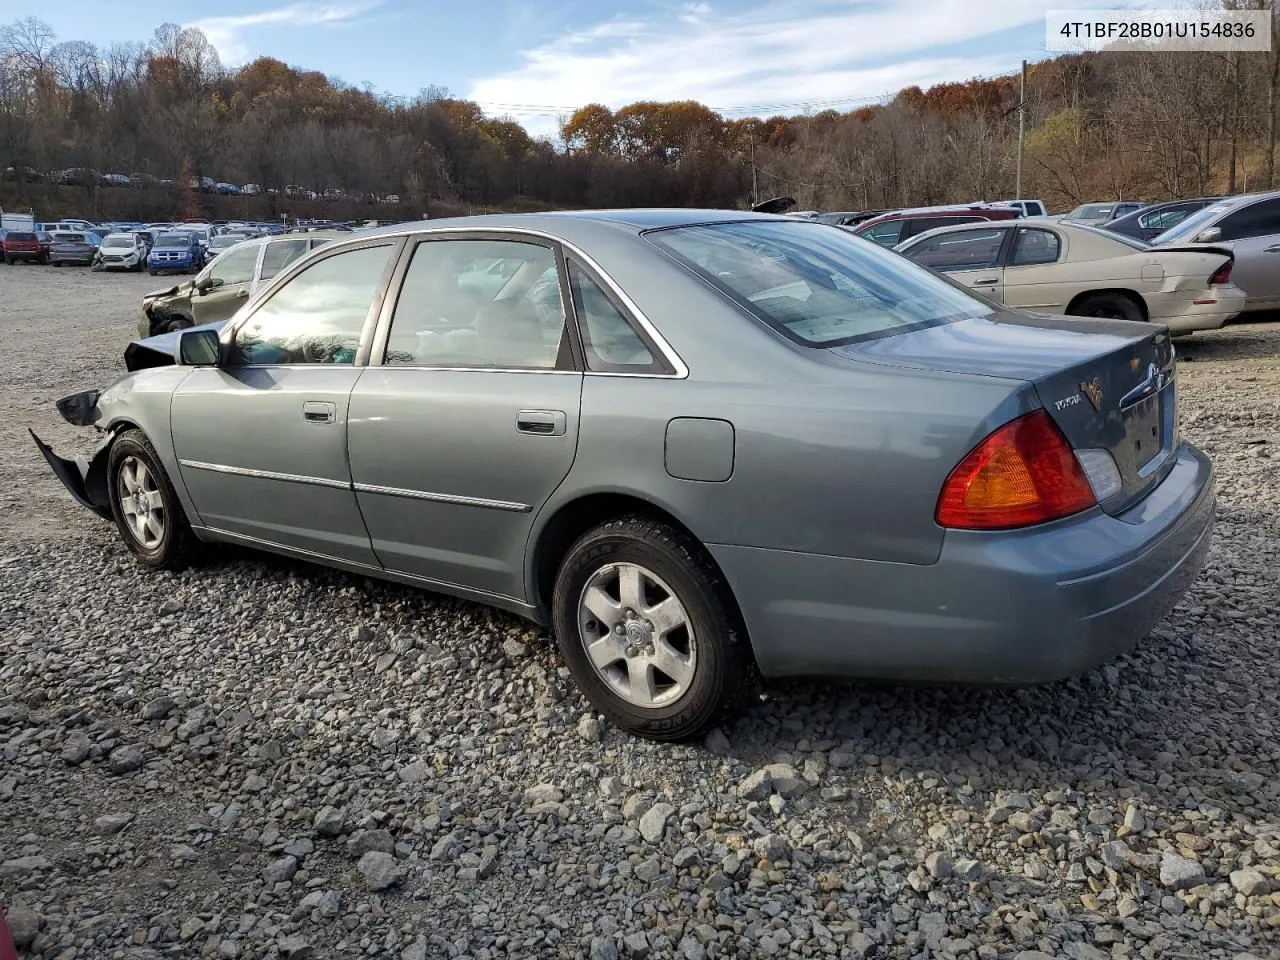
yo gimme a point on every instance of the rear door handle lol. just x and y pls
(319, 411)
(986, 282)
(543, 423)
(1275, 249)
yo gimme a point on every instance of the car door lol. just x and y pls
(224, 285)
(1253, 234)
(1030, 280)
(971, 257)
(261, 439)
(467, 420)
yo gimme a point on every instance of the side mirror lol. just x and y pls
(198, 348)
(204, 286)
(1209, 235)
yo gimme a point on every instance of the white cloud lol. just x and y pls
(744, 59)
(227, 34)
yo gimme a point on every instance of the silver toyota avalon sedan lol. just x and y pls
(700, 446)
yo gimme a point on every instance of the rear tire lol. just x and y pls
(145, 507)
(1112, 306)
(670, 656)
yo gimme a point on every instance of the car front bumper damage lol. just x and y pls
(84, 477)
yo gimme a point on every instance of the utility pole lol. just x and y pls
(755, 196)
(1022, 126)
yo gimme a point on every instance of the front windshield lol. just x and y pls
(119, 241)
(818, 285)
(173, 240)
(1189, 227)
(222, 242)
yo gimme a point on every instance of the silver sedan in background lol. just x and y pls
(699, 445)
(1248, 225)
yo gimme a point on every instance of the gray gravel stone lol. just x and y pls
(654, 822)
(329, 822)
(77, 748)
(126, 759)
(280, 870)
(110, 824)
(380, 870)
(1179, 873)
(158, 709)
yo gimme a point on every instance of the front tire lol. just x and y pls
(649, 630)
(145, 507)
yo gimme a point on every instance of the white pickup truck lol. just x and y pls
(17, 221)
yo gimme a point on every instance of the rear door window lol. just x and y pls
(817, 286)
(1033, 246)
(279, 254)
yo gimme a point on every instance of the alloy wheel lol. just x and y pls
(141, 503)
(637, 635)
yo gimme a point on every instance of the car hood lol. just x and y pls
(157, 351)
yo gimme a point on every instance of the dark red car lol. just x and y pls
(24, 245)
(890, 229)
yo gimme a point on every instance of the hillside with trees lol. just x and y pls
(1100, 126)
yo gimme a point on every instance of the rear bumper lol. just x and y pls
(1017, 607)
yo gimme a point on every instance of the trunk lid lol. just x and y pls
(1107, 384)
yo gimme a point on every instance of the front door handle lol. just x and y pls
(542, 423)
(986, 282)
(319, 411)
(1275, 249)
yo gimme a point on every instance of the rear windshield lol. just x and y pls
(818, 285)
(15, 235)
(69, 237)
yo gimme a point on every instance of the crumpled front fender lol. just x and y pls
(84, 477)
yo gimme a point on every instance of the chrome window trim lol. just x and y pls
(668, 352)
(266, 474)
(507, 505)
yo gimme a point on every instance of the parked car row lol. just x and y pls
(1189, 264)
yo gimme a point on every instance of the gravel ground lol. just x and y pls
(259, 758)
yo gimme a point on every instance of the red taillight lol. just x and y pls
(1024, 473)
(1222, 274)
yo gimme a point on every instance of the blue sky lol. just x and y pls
(537, 59)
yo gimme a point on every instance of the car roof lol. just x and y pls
(571, 224)
(1022, 223)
